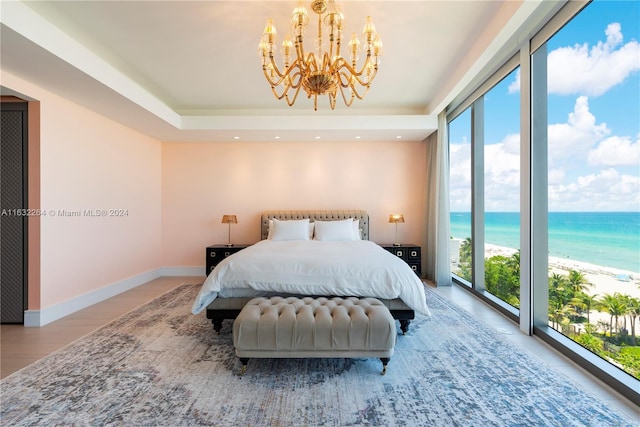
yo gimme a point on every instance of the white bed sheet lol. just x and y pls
(309, 267)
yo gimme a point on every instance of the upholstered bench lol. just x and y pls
(307, 327)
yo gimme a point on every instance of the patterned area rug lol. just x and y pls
(160, 365)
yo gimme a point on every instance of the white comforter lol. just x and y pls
(310, 267)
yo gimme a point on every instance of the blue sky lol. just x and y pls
(594, 120)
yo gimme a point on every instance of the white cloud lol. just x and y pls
(579, 69)
(460, 177)
(606, 190)
(556, 176)
(591, 71)
(577, 136)
(616, 151)
(577, 151)
(502, 162)
(502, 174)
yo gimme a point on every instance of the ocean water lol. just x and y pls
(610, 239)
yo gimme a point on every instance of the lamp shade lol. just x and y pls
(396, 218)
(229, 219)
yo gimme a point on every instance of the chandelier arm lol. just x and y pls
(295, 96)
(326, 62)
(285, 94)
(344, 97)
(275, 67)
(267, 74)
(356, 74)
(347, 80)
(275, 93)
(289, 73)
(294, 85)
(332, 100)
(354, 92)
(311, 62)
(271, 82)
(371, 77)
(351, 78)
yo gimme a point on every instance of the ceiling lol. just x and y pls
(190, 70)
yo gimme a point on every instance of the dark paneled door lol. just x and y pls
(13, 204)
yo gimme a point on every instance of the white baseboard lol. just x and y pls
(37, 318)
(182, 271)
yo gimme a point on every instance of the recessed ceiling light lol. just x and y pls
(399, 137)
(358, 137)
(276, 137)
(317, 137)
(236, 137)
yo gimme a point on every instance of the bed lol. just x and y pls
(311, 253)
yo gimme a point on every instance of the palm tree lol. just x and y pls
(578, 282)
(615, 306)
(466, 250)
(514, 263)
(577, 302)
(557, 303)
(626, 300)
(558, 289)
(589, 301)
(561, 316)
(633, 310)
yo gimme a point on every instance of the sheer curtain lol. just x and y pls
(437, 259)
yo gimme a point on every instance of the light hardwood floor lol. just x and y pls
(22, 346)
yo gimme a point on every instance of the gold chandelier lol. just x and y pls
(325, 71)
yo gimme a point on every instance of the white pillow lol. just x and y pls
(335, 230)
(297, 229)
(270, 230)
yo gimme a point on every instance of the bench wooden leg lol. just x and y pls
(217, 325)
(244, 361)
(384, 361)
(404, 326)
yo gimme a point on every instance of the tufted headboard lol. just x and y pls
(320, 215)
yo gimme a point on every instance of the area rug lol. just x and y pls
(160, 365)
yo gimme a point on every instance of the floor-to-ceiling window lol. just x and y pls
(502, 191)
(460, 195)
(561, 181)
(593, 108)
(484, 187)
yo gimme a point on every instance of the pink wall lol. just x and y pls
(203, 181)
(88, 162)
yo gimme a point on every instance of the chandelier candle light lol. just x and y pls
(229, 219)
(325, 71)
(396, 218)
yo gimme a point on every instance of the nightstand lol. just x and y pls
(411, 254)
(216, 253)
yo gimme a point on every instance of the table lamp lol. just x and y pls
(396, 218)
(229, 219)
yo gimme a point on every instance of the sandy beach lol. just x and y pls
(605, 280)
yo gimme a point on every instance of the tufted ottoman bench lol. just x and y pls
(304, 327)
